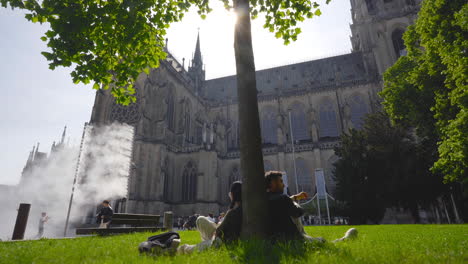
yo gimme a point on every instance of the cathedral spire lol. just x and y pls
(196, 70)
(197, 58)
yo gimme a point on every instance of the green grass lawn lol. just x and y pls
(375, 244)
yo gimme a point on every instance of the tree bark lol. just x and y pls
(254, 200)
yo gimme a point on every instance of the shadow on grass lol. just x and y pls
(261, 251)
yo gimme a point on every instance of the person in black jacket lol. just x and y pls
(230, 228)
(105, 214)
(283, 211)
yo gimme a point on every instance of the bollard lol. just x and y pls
(21, 221)
(168, 221)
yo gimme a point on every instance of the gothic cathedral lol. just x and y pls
(186, 146)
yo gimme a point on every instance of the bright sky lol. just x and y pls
(38, 102)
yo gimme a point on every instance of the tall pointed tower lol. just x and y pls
(377, 30)
(196, 70)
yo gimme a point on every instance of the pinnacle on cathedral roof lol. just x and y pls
(63, 135)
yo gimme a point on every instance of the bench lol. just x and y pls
(134, 222)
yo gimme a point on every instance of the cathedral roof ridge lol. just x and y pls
(294, 63)
(172, 57)
(311, 75)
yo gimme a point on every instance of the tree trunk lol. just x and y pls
(254, 201)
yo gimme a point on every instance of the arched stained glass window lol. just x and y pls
(170, 110)
(304, 177)
(189, 183)
(299, 123)
(398, 43)
(328, 122)
(358, 111)
(269, 126)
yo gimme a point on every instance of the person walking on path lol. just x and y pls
(44, 218)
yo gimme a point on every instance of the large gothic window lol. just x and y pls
(371, 4)
(129, 114)
(189, 183)
(329, 171)
(267, 166)
(299, 123)
(398, 43)
(304, 176)
(199, 134)
(358, 111)
(328, 122)
(269, 126)
(233, 137)
(170, 110)
(187, 121)
(235, 175)
(164, 175)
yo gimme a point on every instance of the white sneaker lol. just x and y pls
(174, 246)
(185, 249)
(350, 234)
(314, 239)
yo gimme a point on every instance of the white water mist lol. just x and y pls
(103, 174)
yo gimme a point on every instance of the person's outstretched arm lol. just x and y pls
(293, 209)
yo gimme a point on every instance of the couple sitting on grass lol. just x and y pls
(284, 218)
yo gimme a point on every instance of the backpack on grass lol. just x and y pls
(161, 244)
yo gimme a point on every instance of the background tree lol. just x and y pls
(353, 184)
(382, 166)
(428, 88)
(111, 42)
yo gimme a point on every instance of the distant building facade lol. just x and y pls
(186, 147)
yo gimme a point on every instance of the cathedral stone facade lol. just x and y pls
(186, 147)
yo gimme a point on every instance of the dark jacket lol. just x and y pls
(107, 212)
(229, 230)
(280, 225)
